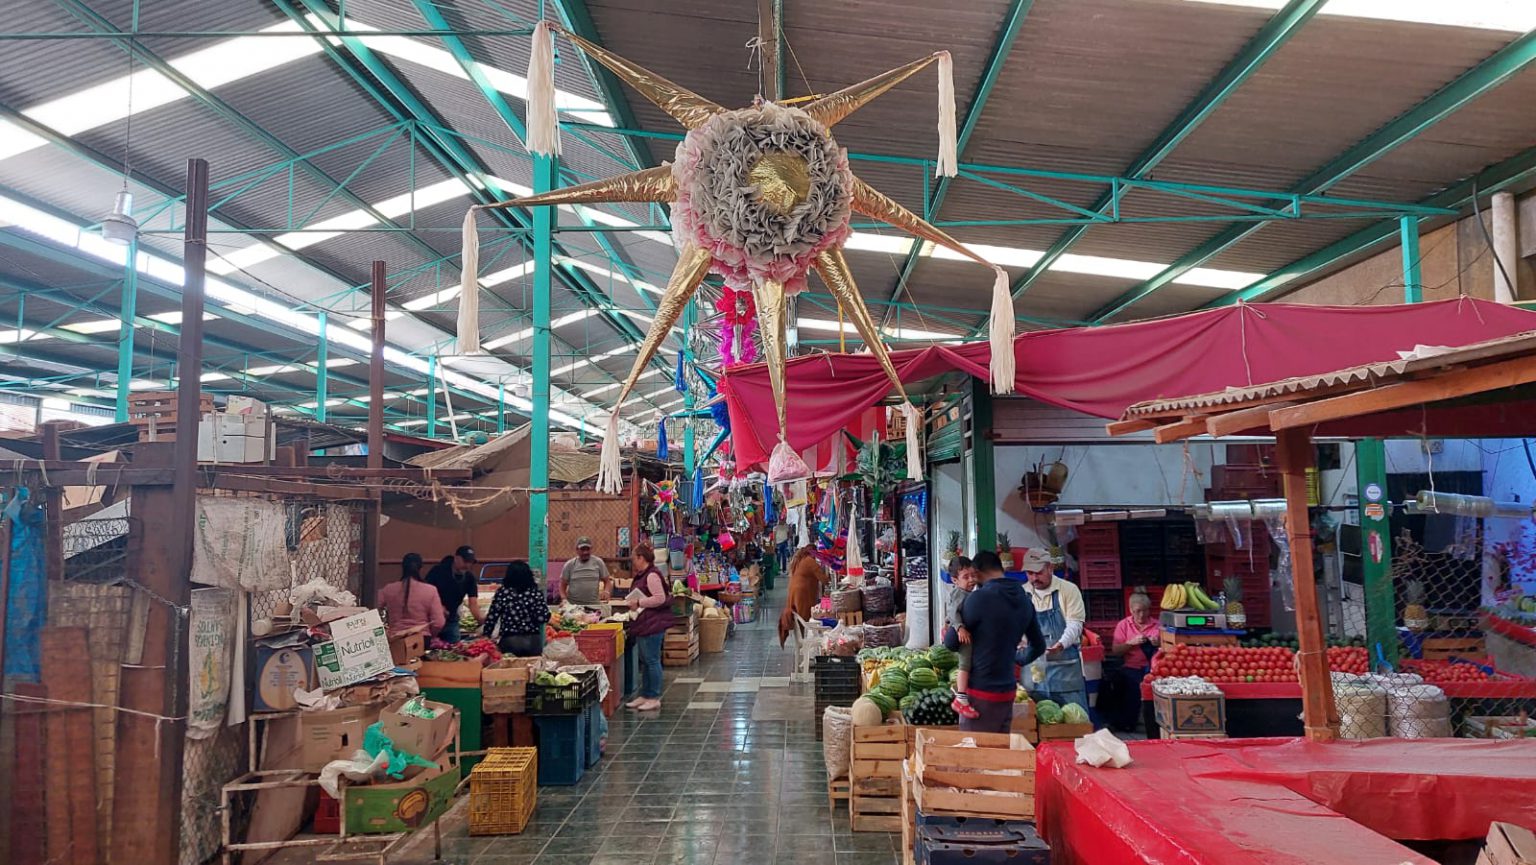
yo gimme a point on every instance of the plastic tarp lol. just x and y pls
(1103, 370)
(26, 608)
(1280, 801)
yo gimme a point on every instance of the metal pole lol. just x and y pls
(125, 334)
(321, 385)
(501, 407)
(690, 462)
(545, 178)
(432, 397)
(1376, 549)
(1413, 280)
(189, 361)
(376, 373)
(768, 12)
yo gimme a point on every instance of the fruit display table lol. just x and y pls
(1280, 801)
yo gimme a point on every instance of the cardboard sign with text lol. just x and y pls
(358, 650)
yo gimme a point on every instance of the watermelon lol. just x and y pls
(883, 700)
(923, 679)
(942, 658)
(894, 683)
(907, 703)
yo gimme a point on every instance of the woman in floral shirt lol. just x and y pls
(519, 612)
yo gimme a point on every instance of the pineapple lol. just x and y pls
(1237, 617)
(1415, 617)
(1005, 551)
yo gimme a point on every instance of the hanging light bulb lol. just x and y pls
(119, 226)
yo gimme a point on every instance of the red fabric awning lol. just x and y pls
(1103, 370)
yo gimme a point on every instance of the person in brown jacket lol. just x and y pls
(805, 577)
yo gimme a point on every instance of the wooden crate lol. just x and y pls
(1169, 734)
(1446, 648)
(908, 811)
(851, 619)
(838, 790)
(874, 803)
(977, 774)
(1185, 638)
(1057, 732)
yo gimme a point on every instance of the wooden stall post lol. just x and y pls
(1320, 718)
(53, 508)
(369, 584)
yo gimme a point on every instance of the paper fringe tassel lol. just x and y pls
(610, 469)
(1000, 335)
(543, 127)
(948, 151)
(853, 559)
(469, 288)
(914, 450)
(786, 465)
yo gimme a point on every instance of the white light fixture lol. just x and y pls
(119, 226)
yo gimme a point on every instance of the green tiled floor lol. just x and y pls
(692, 786)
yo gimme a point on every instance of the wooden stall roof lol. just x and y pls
(1483, 389)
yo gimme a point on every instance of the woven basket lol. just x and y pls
(712, 633)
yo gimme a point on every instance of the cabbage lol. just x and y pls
(1048, 712)
(1072, 713)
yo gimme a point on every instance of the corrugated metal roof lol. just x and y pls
(1424, 359)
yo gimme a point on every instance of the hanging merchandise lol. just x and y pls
(212, 627)
(760, 195)
(854, 558)
(662, 451)
(26, 606)
(738, 322)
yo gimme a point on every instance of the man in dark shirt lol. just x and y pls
(454, 579)
(998, 616)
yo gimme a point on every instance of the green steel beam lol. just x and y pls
(402, 103)
(322, 367)
(250, 128)
(577, 18)
(1264, 45)
(127, 311)
(1375, 513)
(1413, 278)
(202, 35)
(1466, 88)
(1513, 171)
(546, 170)
(514, 124)
(432, 392)
(1002, 46)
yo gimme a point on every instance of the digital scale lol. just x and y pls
(1193, 620)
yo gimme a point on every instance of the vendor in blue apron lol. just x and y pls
(1058, 674)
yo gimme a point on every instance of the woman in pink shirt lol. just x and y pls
(412, 601)
(1135, 642)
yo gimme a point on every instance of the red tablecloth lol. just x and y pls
(1511, 688)
(1280, 801)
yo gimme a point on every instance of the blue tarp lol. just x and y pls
(26, 607)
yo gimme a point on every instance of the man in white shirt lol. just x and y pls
(584, 580)
(1058, 674)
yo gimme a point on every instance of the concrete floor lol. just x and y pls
(698, 783)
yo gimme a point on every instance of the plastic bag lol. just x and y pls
(837, 740)
(1101, 749)
(564, 653)
(919, 634)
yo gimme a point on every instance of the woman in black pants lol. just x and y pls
(519, 612)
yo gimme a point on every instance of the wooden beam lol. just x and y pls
(1443, 386)
(1319, 716)
(1127, 427)
(53, 510)
(1242, 420)
(1179, 430)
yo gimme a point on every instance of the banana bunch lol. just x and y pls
(1180, 596)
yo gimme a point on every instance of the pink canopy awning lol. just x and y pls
(1103, 370)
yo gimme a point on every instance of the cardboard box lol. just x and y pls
(1509, 844)
(333, 735)
(403, 805)
(424, 737)
(450, 674)
(358, 650)
(1187, 713)
(408, 646)
(279, 670)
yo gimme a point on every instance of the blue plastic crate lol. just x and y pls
(1015, 843)
(562, 749)
(592, 718)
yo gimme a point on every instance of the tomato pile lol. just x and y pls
(1347, 659)
(1224, 664)
(1444, 672)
